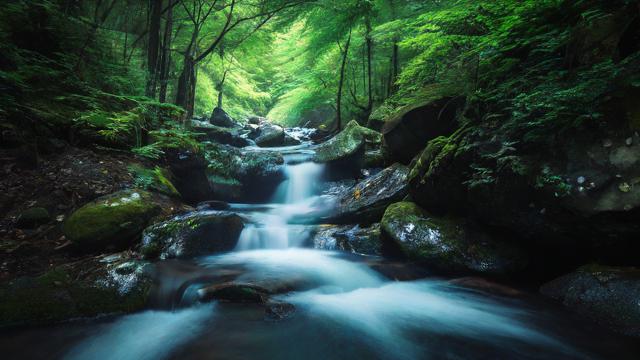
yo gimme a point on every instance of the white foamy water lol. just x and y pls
(148, 335)
(295, 197)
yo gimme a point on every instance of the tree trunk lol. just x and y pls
(369, 50)
(341, 83)
(155, 12)
(165, 63)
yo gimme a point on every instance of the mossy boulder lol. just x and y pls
(188, 167)
(608, 295)
(104, 285)
(366, 201)
(33, 217)
(219, 117)
(236, 175)
(344, 153)
(157, 179)
(111, 221)
(219, 134)
(191, 235)
(445, 244)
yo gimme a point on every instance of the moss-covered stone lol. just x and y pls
(445, 244)
(235, 175)
(192, 235)
(112, 220)
(111, 284)
(351, 139)
(33, 217)
(157, 179)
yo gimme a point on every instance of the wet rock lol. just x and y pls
(379, 116)
(344, 153)
(33, 217)
(349, 238)
(446, 244)
(219, 117)
(234, 293)
(366, 201)
(270, 135)
(278, 310)
(608, 295)
(406, 132)
(103, 285)
(191, 235)
(113, 220)
(247, 176)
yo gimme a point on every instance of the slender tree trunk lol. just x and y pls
(369, 51)
(341, 83)
(153, 46)
(165, 64)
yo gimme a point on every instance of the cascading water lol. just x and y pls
(295, 197)
(344, 309)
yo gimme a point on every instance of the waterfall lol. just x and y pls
(296, 196)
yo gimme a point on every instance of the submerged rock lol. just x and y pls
(104, 285)
(113, 220)
(608, 295)
(366, 201)
(191, 235)
(234, 293)
(349, 238)
(344, 153)
(446, 244)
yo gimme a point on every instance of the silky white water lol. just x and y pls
(343, 308)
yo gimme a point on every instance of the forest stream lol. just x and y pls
(324, 304)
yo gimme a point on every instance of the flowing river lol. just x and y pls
(336, 305)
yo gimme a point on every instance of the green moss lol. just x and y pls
(59, 294)
(111, 219)
(347, 142)
(157, 179)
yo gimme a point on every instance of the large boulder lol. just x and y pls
(344, 153)
(445, 244)
(109, 284)
(366, 201)
(112, 221)
(219, 134)
(608, 295)
(408, 130)
(235, 175)
(270, 135)
(192, 235)
(219, 117)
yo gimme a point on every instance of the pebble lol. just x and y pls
(629, 141)
(581, 180)
(607, 143)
